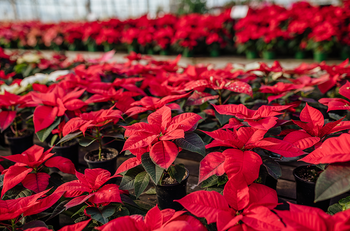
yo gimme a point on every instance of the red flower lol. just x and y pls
(155, 219)
(92, 183)
(28, 166)
(91, 120)
(157, 135)
(240, 207)
(54, 103)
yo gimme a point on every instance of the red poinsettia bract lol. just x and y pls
(300, 217)
(239, 208)
(157, 135)
(91, 120)
(155, 220)
(91, 182)
(54, 103)
(26, 206)
(28, 166)
(8, 104)
(240, 160)
(333, 150)
(337, 103)
(262, 118)
(314, 129)
(75, 227)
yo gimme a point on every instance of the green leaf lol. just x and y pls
(151, 168)
(334, 208)
(24, 193)
(141, 183)
(222, 180)
(333, 181)
(128, 179)
(69, 137)
(210, 125)
(53, 140)
(127, 183)
(86, 141)
(211, 181)
(44, 133)
(345, 203)
(272, 167)
(1, 180)
(123, 212)
(177, 172)
(58, 210)
(151, 191)
(96, 214)
(334, 116)
(108, 211)
(223, 119)
(192, 142)
(81, 210)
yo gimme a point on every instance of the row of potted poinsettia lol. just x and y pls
(266, 30)
(162, 108)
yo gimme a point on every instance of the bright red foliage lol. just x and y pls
(155, 219)
(240, 208)
(157, 135)
(28, 166)
(92, 182)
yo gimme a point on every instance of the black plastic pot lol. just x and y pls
(70, 152)
(166, 194)
(306, 191)
(111, 142)
(20, 144)
(266, 178)
(110, 165)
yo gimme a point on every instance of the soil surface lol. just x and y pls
(309, 174)
(169, 180)
(104, 156)
(21, 134)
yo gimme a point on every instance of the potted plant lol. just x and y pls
(322, 40)
(162, 38)
(69, 150)
(88, 128)
(31, 169)
(156, 145)
(305, 179)
(246, 42)
(129, 37)
(10, 116)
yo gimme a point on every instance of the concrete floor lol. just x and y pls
(218, 62)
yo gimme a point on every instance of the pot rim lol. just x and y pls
(177, 183)
(31, 133)
(63, 147)
(302, 179)
(104, 161)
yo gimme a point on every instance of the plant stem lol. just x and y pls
(220, 100)
(99, 144)
(15, 123)
(13, 225)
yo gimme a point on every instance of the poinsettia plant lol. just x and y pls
(16, 213)
(240, 207)
(156, 145)
(92, 195)
(30, 169)
(52, 107)
(155, 219)
(89, 127)
(11, 106)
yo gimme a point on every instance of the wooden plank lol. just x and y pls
(287, 172)
(286, 189)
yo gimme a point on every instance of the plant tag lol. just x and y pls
(239, 11)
